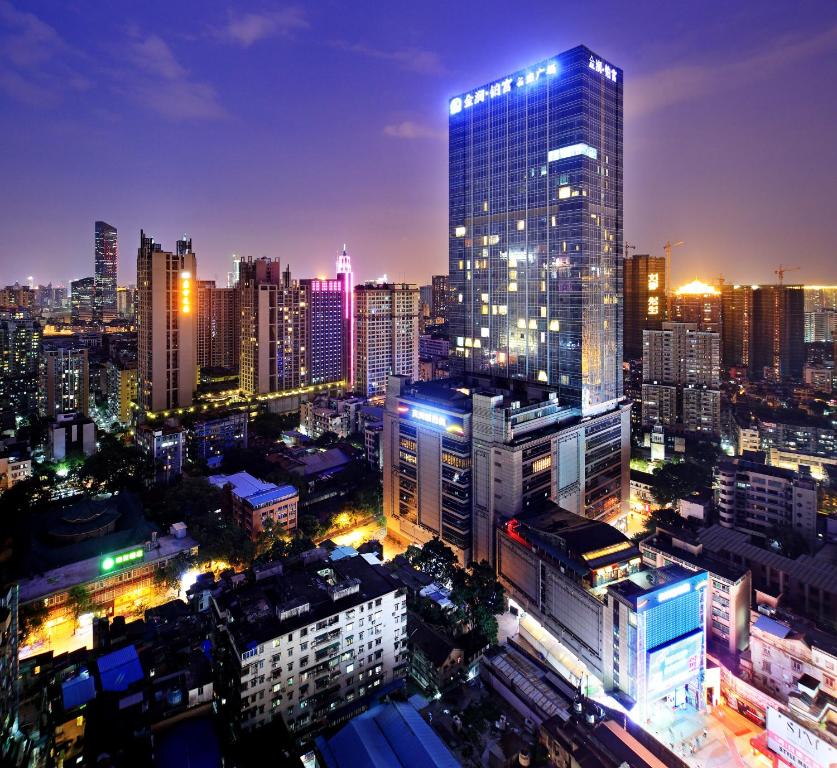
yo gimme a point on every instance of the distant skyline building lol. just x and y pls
(106, 260)
(441, 298)
(166, 327)
(736, 325)
(778, 332)
(83, 299)
(697, 303)
(644, 300)
(535, 215)
(387, 335)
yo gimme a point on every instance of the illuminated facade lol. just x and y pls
(645, 300)
(325, 318)
(535, 216)
(218, 326)
(20, 354)
(386, 333)
(167, 371)
(655, 641)
(105, 264)
(82, 299)
(259, 283)
(346, 278)
(65, 382)
(697, 303)
(460, 455)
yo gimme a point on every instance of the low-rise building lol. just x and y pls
(253, 503)
(164, 445)
(313, 644)
(71, 433)
(439, 661)
(208, 437)
(13, 469)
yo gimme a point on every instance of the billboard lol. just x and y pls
(673, 665)
(796, 745)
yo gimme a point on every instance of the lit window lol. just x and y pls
(512, 287)
(543, 311)
(484, 332)
(564, 193)
(554, 325)
(460, 231)
(521, 225)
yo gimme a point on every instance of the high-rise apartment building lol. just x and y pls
(219, 326)
(259, 282)
(293, 326)
(645, 300)
(535, 215)
(325, 316)
(441, 298)
(126, 302)
(778, 331)
(697, 303)
(65, 382)
(83, 299)
(166, 326)
(122, 389)
(736, 325)
(20, 356)
(681, 378)
(104, 273)
(387, 335)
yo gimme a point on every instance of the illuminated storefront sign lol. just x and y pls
(680, 589)
(795, 745)
(502, 87)
(673, 665)
(429, 416)
(120, 560)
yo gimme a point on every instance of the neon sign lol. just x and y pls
(680, 589)
(109, 562)
(431, 418)
(597, 65)
(502, 87)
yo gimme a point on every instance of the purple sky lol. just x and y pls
(285, 130)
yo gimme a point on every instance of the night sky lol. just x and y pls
(285, 130)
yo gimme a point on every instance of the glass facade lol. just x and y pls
(106, 257)
(536, 227)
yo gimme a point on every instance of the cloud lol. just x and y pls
(408, 129)
(249, 28)
(413, 59)
(163, 84)
(650, 93)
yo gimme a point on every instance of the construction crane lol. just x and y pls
(780, 272)
(667, 248)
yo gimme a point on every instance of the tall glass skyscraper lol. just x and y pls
(536, 228)
(106, 258)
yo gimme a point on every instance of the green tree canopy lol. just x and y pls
(435, 558)
(115, 467)
(676, 481)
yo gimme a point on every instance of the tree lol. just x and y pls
(666, 518)
(168, 577)
(676, 481)
(308, 525)
(327, 439)
(31, 618)
(115, 467)
(481, 597)
(246, 460)
(220, 540)
(79, 602)
(435, 558)
(270, 426)
(189, 498)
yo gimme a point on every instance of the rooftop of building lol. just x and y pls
(672, 543)
(255, 492)
(746, 413)
(805, 569)
(386, 736)
(575, 541)
(85, 571)
(745, 465)
(646, 582)
(298, 596)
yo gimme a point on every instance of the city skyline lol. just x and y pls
(254, 91)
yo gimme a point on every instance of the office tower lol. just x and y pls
(126, 302)
(762, 500)
(645, 300)
(20, 355)
(736, 325)
(234, 273)
(325, 317)
(441, 298)
(426, 295)
(696, 303)
(681, 379)
(535, 208)
(82, 299)
(65, 382)
(386, 327)
(346, 278)
(166, 328)
(260, 281)
(104, 273)
(218, 326)
(778, 332)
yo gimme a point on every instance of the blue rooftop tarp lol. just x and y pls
(390, 735)
(776, 628)
(78, 690)
(119, 669)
